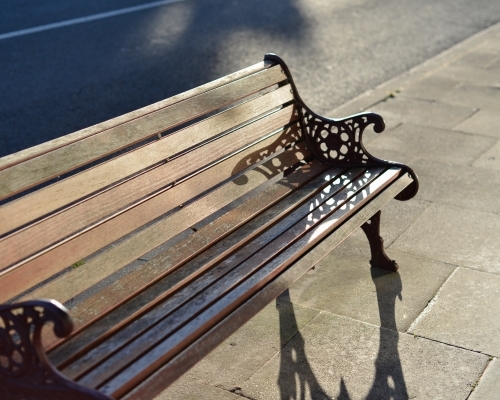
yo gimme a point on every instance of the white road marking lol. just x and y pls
(89, 18)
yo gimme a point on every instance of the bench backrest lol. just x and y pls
(119, 189)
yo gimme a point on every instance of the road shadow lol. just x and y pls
(88, 73)
(297, 380)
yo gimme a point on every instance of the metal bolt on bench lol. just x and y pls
(248, 187)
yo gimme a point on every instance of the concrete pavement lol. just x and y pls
(430, 331)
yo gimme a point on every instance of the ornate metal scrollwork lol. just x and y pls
(338, 142)
(25, 371)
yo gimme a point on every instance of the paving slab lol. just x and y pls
(343, 283)
(490, 159)
(481, 57)
(488, 387)
(409, 141)
(457, 185)
(430, 88)
(490, 45)
(468, 95)
(335, 357)
(454, 235)
(465, 312)
(471, 74)
(185, 389)
(421, 112)
(495, 67)
(253, 345)
(484, 122)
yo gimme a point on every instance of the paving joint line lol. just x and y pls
(236, 391)
(464, 208)
(429, 305)
(418, 256)
(475, 133)
(241, 394)
(479, 378)
(446, 262)
(452, 345)
(478, 270)
(387, 247)
(450, 130)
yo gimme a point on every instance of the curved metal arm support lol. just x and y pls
(339, 141)
(25, 371)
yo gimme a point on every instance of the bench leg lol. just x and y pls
(372, 232)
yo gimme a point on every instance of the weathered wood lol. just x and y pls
(54, 144)
(289, 191)
(161, 267)
(67, 191)
(49, 165)
(120, 198)
(130, 249)
(237, 286)
(18, 279)
(167, 316)
(176, 367)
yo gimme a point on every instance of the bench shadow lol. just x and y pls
(273, 165)
(296, 375)
(297, 380)
(389, 382)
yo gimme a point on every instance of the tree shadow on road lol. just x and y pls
(92, 72)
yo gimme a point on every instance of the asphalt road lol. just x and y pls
(60, 80)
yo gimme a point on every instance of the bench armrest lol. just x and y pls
(25, 370)
(339, 142)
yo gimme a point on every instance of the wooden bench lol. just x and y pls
(166, 229)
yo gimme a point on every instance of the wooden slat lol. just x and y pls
(168, 373)
(238, 283)
(166, 264)
(138, 280)
(130, 249)
(31, 207)
(54, 144)
(49, 165)
(156, 355)
(335, 190)
(38, 269)
(189, 272)
(105, 205)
